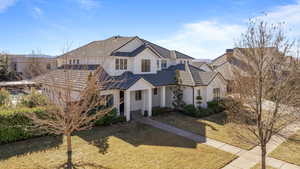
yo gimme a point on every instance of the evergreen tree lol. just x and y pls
(178, 102)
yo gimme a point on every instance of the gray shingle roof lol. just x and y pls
(100, 48)
(200, 76)
(190, 76)
(182, 56)
(108, 47)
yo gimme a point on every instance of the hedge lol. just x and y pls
(110, 118)
(213, 107)
(13, 125)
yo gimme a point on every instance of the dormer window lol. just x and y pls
(163, 64)
(146, 63)
(121, 64)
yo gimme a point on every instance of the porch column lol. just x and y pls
(150, 102)
(117, 101)
(163, 96)
(127, 105)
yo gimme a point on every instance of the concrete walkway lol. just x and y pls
(246, 159)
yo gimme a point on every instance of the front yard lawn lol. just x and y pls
(212, 127)
(289, 150)
(125, 146)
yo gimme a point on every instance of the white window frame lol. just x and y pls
(145, 69)
(121, 64)
(138, 95)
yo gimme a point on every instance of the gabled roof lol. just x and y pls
(110, 46)
(101, 47)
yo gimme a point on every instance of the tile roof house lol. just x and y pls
(142, 73)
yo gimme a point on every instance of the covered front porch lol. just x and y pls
(141, 98)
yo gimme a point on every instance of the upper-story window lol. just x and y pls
(70, 62)
(74, 61)
(121, 64)
(157, 64)
(146, 63)
(77, 61)
(163, 64)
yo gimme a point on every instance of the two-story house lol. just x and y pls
(144, 74)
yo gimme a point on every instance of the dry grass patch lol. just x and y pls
(212, 127)
(257, 166)
(289, 150)
(126, 146)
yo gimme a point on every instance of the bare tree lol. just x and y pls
(71, 102)
(266, 98)
(35, 65)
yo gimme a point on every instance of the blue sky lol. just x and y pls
(202, 29)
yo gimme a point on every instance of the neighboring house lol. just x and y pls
(202, 65)
(25, 64)
(229, 63)
(142, 74)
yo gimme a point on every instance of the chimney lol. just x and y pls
(229, 51)
(173, 54)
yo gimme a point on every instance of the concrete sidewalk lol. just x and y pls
(247, 159)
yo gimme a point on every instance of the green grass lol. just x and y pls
(212, 127)
(125, 146)
(289, 150)
(257, 166)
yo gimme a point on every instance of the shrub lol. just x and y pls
(13, 124)
(4, 98)
(34, 99)
(199, 101)
(161, 110)
(193, 111)
(205, 112)
(216, 106)
(190, 110)
(110, 118)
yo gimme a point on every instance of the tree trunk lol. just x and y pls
(69, 151)
(263, 156)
